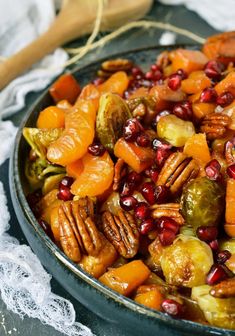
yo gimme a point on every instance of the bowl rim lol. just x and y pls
(18, 193)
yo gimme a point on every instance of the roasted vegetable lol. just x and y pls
(175, 130)
(39, 139)
(111, 117)
(202, 202)
(186, 262)
(219, 312)
(127, 278)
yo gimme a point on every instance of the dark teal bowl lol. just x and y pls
(101, 300)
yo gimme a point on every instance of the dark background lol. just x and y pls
(12, 324)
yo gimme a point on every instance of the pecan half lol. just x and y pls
(120, 171)
(78, 233)
(122, 232)
(224, 289)
(171, 210)
(177, 170)
(111, 66)
(215, 125)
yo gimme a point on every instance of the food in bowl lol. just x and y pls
(133, 177)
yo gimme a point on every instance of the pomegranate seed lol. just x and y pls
(128, 203)
(168, 224)
(155, 67)
(134, 178)
(98, 81)
(126, 188)
(172, 307)
(216, 274)
(174, 82)
(143, 140)
(214, 245)
(33, 199)
(212, 169)
(223, 256)
(183, 110)
(162, 149)
(208, 95)
(148, 192)
(162, 194)
(214, 69)
(142, 211)
(157, 75)
(96, 149)
(46, 227)
(149, 75)
(166, 237)
(181, 73)
(64, 194)
(66, 181)
(132, 129)
(225, 99)
(231, 171)
(207, 233)
(161, 114)
(146, 226)
(136, 71)
(152, 173)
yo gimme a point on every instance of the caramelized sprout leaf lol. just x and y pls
(39, 139)
(111, 117)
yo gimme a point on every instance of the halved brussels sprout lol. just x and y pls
(202, 202)
(186, 262)
(227, 244)
(111, 117)
(175, 130)
(219, 312)
(38, 170)
(39, 139)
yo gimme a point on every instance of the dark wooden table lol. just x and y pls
(12, 324)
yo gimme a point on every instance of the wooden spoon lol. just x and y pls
(75, 19)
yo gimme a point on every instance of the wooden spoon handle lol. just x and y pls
(32, 53)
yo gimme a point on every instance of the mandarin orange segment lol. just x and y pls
(90, 92)
(75, 168)
(77, 136)
(196, 81)
(230, 202)
(188, 60)
(117, 83)
(96, 176)
(51, 117)
(197, 148)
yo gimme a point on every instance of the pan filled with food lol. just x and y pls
(124, 184)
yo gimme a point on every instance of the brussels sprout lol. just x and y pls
(39, 170)
(227, 244)
(39, 139)
(219, 312)
(186, 262)
(111, 117)
(175, 130)
(202, 202)
(51, 182)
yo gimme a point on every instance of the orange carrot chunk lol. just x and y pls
(188, 60)
(65, 87)
(127, 278)
(138, 158)
(230, 206)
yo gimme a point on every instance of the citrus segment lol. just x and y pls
(77, 136)
(96, 177)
